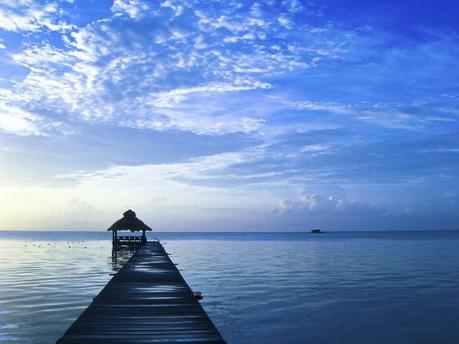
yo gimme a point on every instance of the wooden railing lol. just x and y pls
(130, 240)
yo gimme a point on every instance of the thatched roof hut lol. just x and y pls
(129, 222)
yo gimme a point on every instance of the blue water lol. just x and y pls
(354, 287)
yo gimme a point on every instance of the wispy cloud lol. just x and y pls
(282, 98)
(316, 203)
(27, 15)
(194, 168)
(99, 69)
(21, 121)
(17, 121)
(169, 99)
(132, 8)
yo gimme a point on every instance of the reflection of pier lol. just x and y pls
(120, 255)
(147, 301)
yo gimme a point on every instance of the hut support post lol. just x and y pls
(114, 237)
(144, 238)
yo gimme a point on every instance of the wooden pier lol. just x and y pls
(147, 301)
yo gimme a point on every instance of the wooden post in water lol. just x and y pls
(114, 236)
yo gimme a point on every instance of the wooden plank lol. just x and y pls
(147, 301)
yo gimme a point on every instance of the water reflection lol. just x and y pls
(356, 288)
(45, 285)
(120, 255)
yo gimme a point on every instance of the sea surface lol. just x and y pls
(336, 287)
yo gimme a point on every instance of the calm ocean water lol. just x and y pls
(354, 287)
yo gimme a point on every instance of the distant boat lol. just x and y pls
(317, 231)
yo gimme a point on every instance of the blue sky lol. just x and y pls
(229, 115)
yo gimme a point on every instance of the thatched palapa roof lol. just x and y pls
(129, 222)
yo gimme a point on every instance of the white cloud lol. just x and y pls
(124, 76)
(40, 57)
(315, 204)
(315, 149)
(19, 120)
(391, 118)
(312, 203)
(155, 64)
(199, 124)
(177, 9)
(321, 106)
(133, 8)
(231, 24)
(384, 115)
(26, 15)
(180, 172)
(14, 120)
(78, 214)
(294, 6)
(285, 21)
(154, 190)
(169, 99)
(93, 42)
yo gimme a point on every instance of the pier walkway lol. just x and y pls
(147, 301)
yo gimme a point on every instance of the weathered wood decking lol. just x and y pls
(147, 301)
